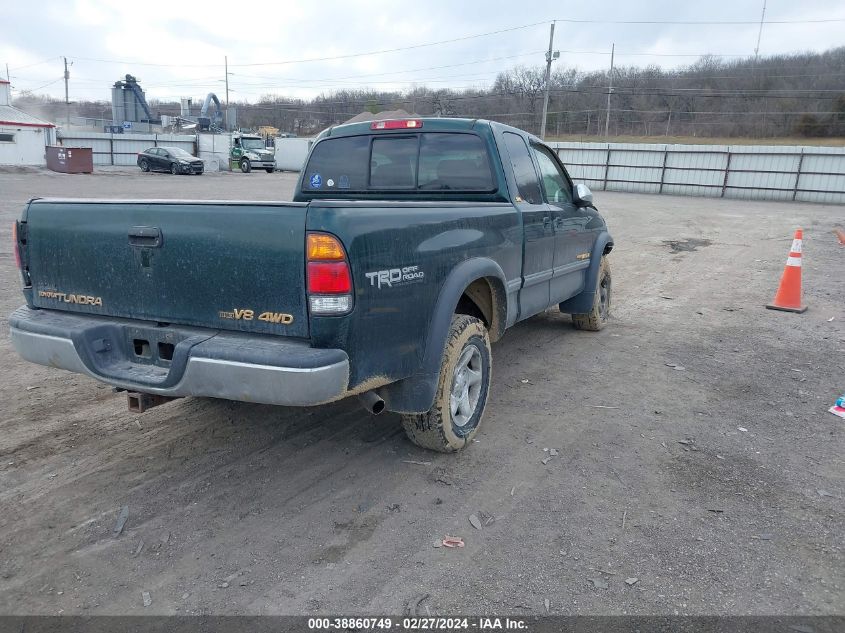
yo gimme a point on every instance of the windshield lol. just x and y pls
(252, 143)
(177, 152)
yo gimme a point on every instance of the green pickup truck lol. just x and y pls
(410, 245)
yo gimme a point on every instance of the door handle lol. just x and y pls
(147, 236)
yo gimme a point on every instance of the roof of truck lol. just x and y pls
(429, 124)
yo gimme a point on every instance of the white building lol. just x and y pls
(22, 137)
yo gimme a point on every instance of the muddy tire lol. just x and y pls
(596, 319)
(462, 390)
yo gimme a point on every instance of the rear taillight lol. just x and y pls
(16, 245)
(329, 278)
(402, 124)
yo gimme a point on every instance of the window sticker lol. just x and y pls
(316, 181)
(343, 182)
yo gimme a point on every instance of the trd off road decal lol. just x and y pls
(395, 276)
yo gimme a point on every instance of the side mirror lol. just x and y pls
(583, 195)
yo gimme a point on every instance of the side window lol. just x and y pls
(555, 184)
(523, 169)
(393, 163)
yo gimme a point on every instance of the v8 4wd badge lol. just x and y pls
(395, 276)
(245, 314)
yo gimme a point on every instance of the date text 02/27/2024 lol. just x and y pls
(417, 623)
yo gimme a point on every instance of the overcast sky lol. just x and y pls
(176, 49)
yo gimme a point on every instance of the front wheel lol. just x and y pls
(596, 318)
(174, 168)
(144, 165)
(462, 390)
(269, 170)
(246, 167)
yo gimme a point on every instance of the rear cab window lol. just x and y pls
(431, 162)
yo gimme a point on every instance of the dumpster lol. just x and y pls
(70, 160)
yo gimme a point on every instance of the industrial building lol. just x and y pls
(130, 110)
(23, 137)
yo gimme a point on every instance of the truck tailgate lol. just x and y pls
(224, 265)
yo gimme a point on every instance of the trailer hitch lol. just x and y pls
(139, 402)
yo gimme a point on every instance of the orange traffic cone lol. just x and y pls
(840, 235)
(788, 297)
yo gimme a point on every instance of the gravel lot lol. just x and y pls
(718, 487)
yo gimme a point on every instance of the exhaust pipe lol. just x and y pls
(372, 402)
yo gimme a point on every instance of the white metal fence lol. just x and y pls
(214, 150)
(122, 149)
(755, 172)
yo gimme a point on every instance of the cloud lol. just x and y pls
(180, 52)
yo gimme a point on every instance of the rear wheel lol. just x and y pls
(174, 168)
(596, 318)
(462, 390)
(269, 170)
(246, 167)
(144, 165)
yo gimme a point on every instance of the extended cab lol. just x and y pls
(409, 247)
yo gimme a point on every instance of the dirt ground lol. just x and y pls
(718, 486)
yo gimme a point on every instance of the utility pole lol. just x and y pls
(67, 101)
(8, 76)
(549, 57)
(226, 66)
(760, 32)
(609, 90)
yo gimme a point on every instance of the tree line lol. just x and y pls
(801, 94)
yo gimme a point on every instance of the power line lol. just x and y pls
(212, 80)
(43, 61)
(330, 57)
(399, 72)
(49, 83)
(455, 93)
(699, 22)
(486, 34)
(563, 91)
